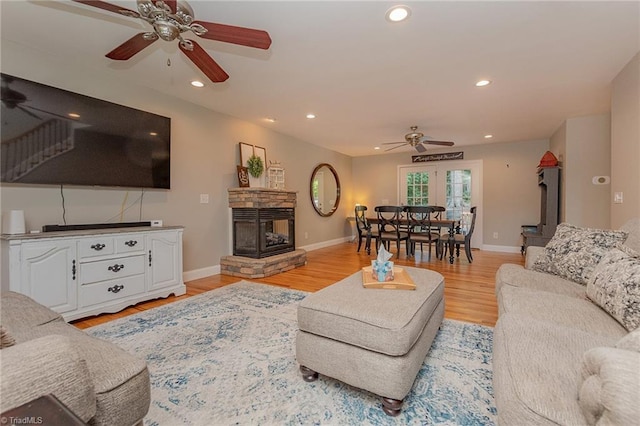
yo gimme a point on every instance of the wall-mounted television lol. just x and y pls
(56, 137)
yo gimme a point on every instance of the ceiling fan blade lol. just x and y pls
(132, 46)
(392, 143)
(108, 6)
(202, 60)
(421, 148)
(443, 143)
(395, 147)
(236, 35)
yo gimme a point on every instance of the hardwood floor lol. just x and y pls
(469, 288)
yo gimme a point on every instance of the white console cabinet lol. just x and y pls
(84, 273)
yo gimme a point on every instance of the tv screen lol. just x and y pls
(53, 136)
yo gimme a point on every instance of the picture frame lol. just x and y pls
(246, 151)
(243, 177)
(262, 153)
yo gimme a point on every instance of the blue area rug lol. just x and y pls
(228, 357)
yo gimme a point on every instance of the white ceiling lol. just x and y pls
(366, 79)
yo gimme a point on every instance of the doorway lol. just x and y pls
(456, 185)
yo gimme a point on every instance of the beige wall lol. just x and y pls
(588, 155)
(583, 146)
(511, 197)
(204, 157)
(625, 142)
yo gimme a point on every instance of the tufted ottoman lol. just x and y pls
(373, 339)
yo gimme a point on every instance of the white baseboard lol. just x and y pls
(215, 269)
(502, 249)
(324, 244)
(200, 273)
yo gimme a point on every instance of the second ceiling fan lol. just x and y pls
(417, 140)
(171, 18)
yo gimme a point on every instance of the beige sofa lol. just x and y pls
(558, 358)
(42, 354)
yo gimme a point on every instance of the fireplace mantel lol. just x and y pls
(261, 198)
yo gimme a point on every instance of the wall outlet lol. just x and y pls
(306, 235)
(156, 223)
(204, 198)
(495, 235)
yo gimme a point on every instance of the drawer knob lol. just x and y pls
(130, 243)
(98, 247)
(116, 288)
(115, 268)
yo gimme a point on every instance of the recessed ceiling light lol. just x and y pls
(196, 83)
(398, 13)
(488, 136)
(377, 147)
(270, 119)
(482, 83)
(153, 133)
(73, 115)
(310, 116)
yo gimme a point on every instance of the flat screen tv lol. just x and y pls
(53, 136)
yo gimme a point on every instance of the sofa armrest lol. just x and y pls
(532, 254)
(46, 365)
(610, 389)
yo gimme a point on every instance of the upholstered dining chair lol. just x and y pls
(365, 229)
(389, 227)
(463, 239)
(420, 228)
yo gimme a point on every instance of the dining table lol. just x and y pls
(452, 225)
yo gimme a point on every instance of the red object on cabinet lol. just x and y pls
(548, 160)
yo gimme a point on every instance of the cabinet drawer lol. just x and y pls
(93, 294)
(109, 269)
(129, 243)
(98, 246)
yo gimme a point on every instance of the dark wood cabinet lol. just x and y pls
(549, 183)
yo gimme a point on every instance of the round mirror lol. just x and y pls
(325, 189)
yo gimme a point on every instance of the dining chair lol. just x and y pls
(389, 227)
(365, 229)
(464, 239)
(420, 228)
(438, 212)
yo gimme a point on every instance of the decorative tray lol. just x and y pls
(401, 280)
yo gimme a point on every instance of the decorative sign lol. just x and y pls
(437, 157)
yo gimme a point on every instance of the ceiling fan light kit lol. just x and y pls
(170, 19)
(417, 140)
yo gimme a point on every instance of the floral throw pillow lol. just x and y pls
(6, 339)
(615, 287)
(574, 252)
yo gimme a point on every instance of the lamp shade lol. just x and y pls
(13, 222)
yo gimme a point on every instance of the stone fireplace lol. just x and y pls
(263, 233)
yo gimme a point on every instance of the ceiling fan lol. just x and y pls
(417, 140)
(170, 19)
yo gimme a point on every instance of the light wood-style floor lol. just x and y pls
(469, 288)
